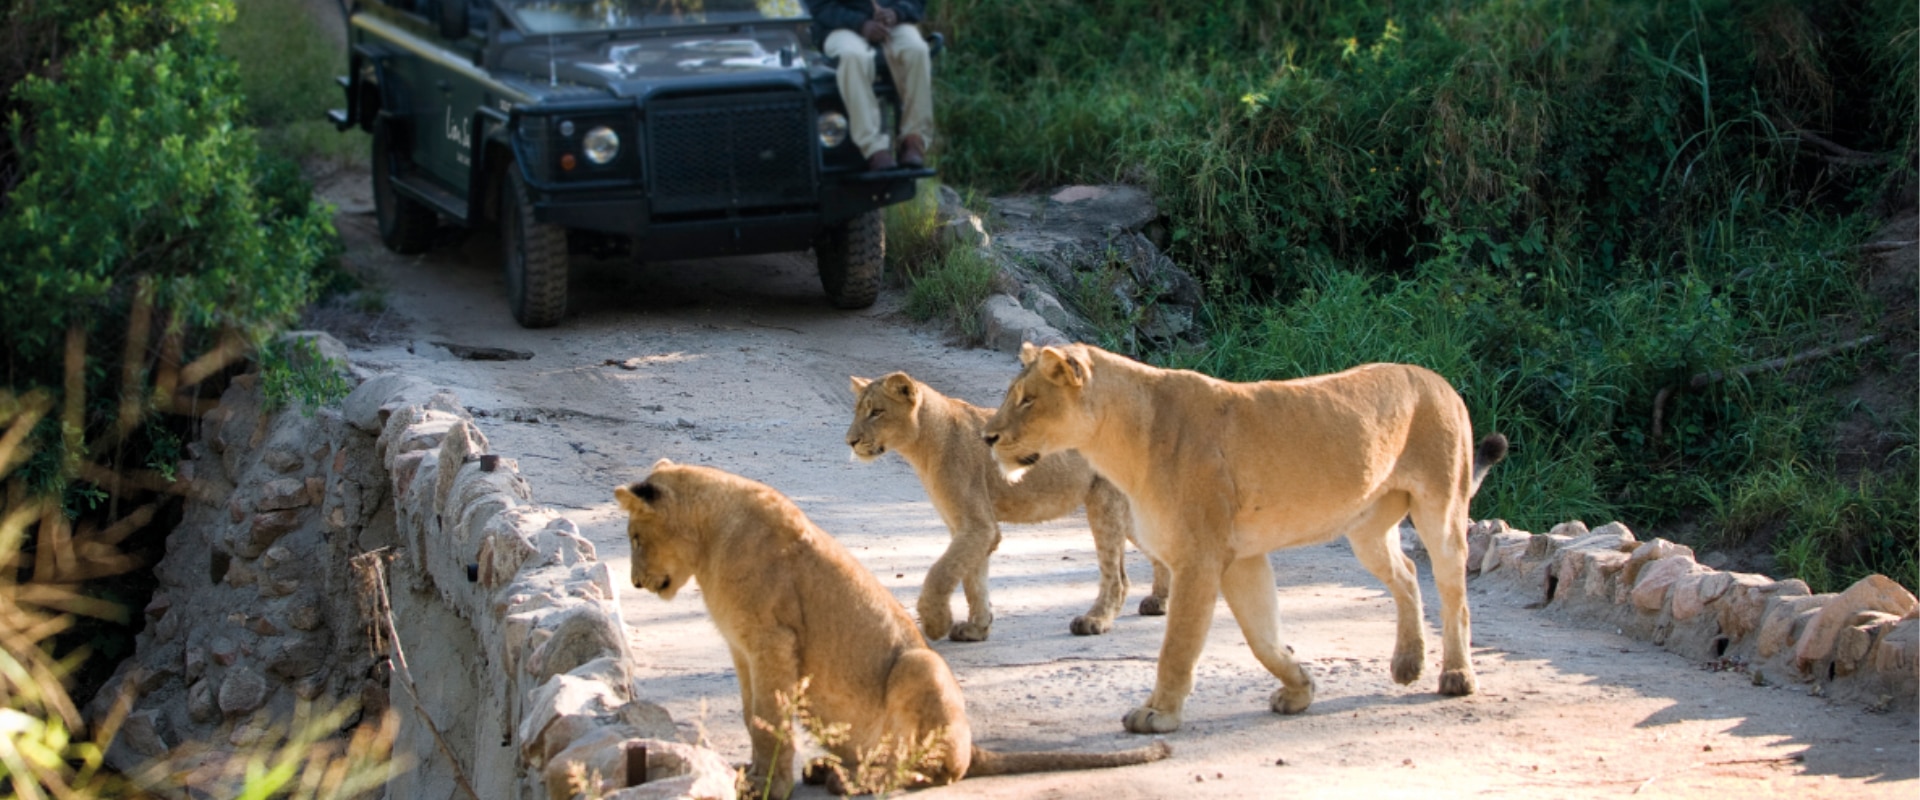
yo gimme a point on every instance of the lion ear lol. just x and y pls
(635, 498)
(859, 383)
(1062, 367)
(898, 383)
(1027, 353)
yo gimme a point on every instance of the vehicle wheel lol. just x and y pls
(850, 256)
(406, 225)
(535, 256)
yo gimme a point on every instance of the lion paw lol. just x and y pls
(1147, 720)
(1407, 666)
(969, 632)
(1153, 606)
(935, 623)
(1457, 682)
(1090, 625)
(821, 773)
(1291, 699)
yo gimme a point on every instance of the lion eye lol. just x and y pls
(873, 414)
(1026, 401)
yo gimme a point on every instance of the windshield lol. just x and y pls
(570, 16)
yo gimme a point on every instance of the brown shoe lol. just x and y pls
(913, 152)
(879, 161)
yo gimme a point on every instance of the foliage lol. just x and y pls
(288, 64)
(293, 372)
(952, 288)
(1568, 209)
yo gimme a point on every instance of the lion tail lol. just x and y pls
(1491, 450)
(987, 762)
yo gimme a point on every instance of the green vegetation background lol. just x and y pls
(1564, 207)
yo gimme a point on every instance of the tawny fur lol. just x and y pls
(793, 604)
(1218, 474)
(939, 436)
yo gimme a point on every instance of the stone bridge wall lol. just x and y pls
(509, 623)
(511, 627)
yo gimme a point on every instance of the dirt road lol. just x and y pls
(742, 365)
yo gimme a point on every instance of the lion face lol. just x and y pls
(1044, 411)
(883, 414)
(664, 549)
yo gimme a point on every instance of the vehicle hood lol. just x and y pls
(627, 66)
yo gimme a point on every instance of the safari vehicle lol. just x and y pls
(661, 128)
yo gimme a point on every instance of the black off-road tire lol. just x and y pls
(535, 257)
(850, 256)
(406, 224)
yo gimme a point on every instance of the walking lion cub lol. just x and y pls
(1218, 474)
(939, 436)
(795, 606)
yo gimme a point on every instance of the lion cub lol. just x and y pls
(939, 436)
(794, 605)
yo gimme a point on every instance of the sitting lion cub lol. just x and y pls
(939, 436)
(794, 605)
(1218, 474)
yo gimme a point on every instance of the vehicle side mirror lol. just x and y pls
(453, 19)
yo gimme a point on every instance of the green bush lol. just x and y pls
(1569, 209)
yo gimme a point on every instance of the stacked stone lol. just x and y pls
(248, 618)
(1861, 644)
(542, 609)
(258, 608)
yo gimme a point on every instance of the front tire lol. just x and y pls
(850, 257)
(406, 225)
(535, 257)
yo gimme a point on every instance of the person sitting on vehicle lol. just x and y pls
(849, 30)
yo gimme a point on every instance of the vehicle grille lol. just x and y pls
(730, 152)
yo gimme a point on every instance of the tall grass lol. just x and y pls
(289, 59)
(1569, 209)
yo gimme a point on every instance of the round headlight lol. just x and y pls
(833, 129)
(601, 144)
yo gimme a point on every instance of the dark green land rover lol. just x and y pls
(664, 128)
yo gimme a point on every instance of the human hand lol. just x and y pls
(874, 32)
(886, 16)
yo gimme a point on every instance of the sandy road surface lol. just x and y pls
(742, 365)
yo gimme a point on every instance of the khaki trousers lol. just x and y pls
(912, 70)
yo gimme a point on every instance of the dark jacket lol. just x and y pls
(832, 15)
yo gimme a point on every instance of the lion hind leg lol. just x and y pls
(1443, 529)
(1155, 603)
(1375, 538)
(1110, 519)
(1248, 585)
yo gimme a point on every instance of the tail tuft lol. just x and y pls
(1492, 449)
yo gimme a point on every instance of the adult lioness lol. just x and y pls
(939, 436)
(1218, 474)
(793, 604)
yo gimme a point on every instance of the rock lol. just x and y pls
(282, 493)
(298, 657)
(1648, 553)
(1897, 654)
(201, 706)
(142, 732)
(1692, 593)
(306, 616)
(1650, 589)
(1744, 604)
(674, 770)
(562, 710)
(1572, 529)
(1005, 325)
(583, 635)
(265, 529)
(363, 406)
(243, 691)
(1872, 593)
(1852, 644)
(1784, 620)
(281, 461)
